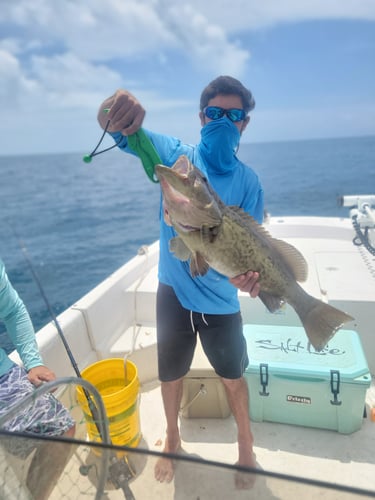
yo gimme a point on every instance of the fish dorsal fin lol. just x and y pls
(291, 257)
(246, 220)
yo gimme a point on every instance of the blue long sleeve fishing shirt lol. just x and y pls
(237, 185)
(14, 315)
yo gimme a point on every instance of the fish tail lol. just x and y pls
(320, 320)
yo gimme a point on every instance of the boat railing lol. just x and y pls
(362, 214)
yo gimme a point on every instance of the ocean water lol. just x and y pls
(80, 222)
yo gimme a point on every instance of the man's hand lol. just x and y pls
(40, 374)
(125, 113)
(247, 282)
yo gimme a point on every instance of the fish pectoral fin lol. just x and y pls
(198, 265)
(272, 302)
(179, 249)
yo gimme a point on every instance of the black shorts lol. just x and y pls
(221, 337)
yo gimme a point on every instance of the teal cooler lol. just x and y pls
(290, 382)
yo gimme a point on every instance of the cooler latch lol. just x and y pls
(263, 372)
(335, 387)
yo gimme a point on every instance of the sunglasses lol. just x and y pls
(214, 113)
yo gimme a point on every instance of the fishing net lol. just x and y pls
(96, 470)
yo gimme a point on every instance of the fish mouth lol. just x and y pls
(172, 195)
(179, 173)
(186, 228)
(177, 208)
(188, 204)
(182, 167)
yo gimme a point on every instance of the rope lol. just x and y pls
(87, 158)
(362, 238)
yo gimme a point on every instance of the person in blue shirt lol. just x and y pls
(206, 305)
(46, 415)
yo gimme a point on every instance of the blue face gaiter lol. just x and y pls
(219, 142)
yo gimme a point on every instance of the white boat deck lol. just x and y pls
(345, 460)
(302, 452)
(293, 450)
(117, 319)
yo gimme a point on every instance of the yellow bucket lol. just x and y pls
(120, 398)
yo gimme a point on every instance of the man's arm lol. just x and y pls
(20, 329)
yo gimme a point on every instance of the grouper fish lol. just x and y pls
(227, 239)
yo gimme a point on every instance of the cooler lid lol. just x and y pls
(287, 349)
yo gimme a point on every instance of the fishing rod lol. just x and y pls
(120, 471)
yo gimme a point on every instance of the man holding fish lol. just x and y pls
(206, 304)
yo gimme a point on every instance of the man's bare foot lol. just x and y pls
(164, 468)
(246, 480)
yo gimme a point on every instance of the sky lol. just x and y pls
(310, 65)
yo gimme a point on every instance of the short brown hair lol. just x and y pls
(227, 85)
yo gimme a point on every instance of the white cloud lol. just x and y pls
(69, 81)
(205, 42)
(60, 58)
(102, 31)
(10, 45)
(57, 56)
(96, 30)
(61, 81)
(202, 32)
(15, 89)
(237, 15)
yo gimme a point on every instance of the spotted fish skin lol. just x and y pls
(212, 234)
